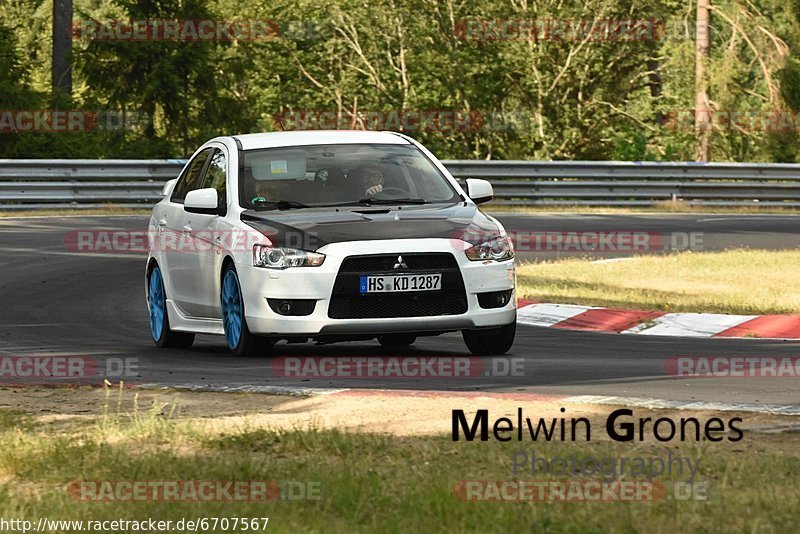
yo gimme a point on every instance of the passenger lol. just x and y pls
(336, 189)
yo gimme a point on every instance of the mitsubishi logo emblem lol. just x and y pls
(400, 263)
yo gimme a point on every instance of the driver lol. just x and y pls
(367, 180)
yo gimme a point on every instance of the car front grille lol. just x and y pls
(348, 303)
(384, 263)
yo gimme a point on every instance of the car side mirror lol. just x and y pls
(479, 191)
(168, 187)
(205, 201)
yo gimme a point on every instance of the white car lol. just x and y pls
(326, 236)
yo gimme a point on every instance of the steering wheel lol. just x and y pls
(398, 192)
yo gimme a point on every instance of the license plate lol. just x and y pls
(400, 283)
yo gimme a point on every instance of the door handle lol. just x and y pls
(162, 223)
(187, 228)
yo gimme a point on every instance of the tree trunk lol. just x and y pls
(61, 80)
(702, 109)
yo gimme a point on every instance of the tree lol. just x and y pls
(702, 109)
(175, 84)
(15, 91)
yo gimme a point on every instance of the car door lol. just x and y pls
(178, 244)
(208, 235)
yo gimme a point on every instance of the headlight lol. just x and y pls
(498, 249)
(281, 258)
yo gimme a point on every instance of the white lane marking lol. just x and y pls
(548, 314)
(689, 324)
(29, 325)
(76, 216)
(641, 326)
(125, 255)
(746, 218)
(774, 429)
(778, 409)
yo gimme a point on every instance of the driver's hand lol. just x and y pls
(374, 190)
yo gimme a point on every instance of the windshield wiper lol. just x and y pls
(385, 201)
(261, 205)
(279, 204)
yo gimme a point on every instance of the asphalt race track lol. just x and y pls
(713, 232)
(56, 301)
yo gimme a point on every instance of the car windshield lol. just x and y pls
(341, 175)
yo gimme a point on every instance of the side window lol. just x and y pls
(191, 178)
(216, 175)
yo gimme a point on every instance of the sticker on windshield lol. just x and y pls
(279, 166)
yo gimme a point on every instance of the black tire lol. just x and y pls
(167, 338)
(490, 341)
(397, 340)
(254, 346)
(178, 340)
(248, 343)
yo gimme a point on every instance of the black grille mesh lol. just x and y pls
(348, 303)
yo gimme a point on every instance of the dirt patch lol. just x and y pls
(65, 403)
(393, 412)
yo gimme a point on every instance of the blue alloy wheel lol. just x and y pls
(232, 309)
(157, 302)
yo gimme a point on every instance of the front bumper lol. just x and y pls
(317, 283)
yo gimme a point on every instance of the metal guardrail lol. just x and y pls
(76, 184)
(58, 184)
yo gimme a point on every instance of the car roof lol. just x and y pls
(318, 137)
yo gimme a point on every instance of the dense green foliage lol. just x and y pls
(617, 97)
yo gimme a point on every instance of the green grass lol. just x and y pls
(15, 419)
(735, 281)
(371, 482)
(659, 207)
